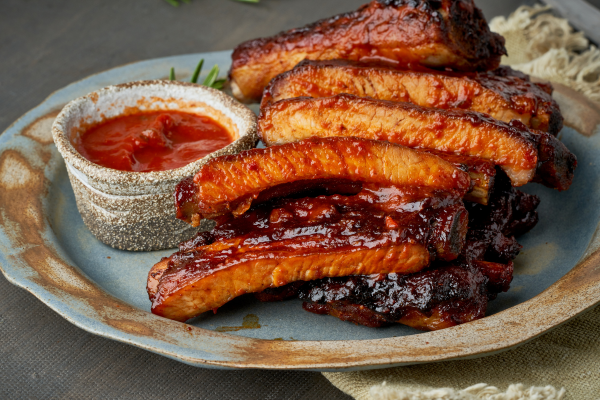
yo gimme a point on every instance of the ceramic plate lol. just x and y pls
(46, 249)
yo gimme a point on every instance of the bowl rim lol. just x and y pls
(246, 123)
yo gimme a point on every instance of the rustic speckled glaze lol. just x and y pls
(46, 249)
(134, 210)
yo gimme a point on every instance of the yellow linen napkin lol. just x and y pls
(563, 364)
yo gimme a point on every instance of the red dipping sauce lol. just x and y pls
(152, 141)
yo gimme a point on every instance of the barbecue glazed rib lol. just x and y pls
(428, 300)
(523, 154)
(230, 184)
(504, 97)
(286, 240)
(436, 34)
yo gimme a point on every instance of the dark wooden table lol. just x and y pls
(46, 45)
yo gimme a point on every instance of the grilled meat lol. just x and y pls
(439, 297)
(436, 34)
(428, 300)
(230, 184)
(379, 230)
(523, 154)
(503, 96)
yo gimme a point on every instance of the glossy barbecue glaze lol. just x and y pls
(230, 184)
(501, 94)
(437, 34)
(483, 270)
(429, 300)
(378, 230)
(522, 154)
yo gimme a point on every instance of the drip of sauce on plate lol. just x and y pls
(151, 141)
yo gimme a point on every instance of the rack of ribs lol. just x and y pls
(373, 213)
(436, 34)
(503, 94)
(524, 155)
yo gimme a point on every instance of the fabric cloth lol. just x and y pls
(563, 364)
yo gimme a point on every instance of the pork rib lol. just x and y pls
(521, 153)
(504, 97)
(230, 184)
(428, 300)
(304, 239)
(437, 34)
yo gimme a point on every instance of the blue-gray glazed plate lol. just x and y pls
(46, 249)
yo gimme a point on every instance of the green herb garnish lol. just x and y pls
(210, 80)
(197, 71)
(212, 76)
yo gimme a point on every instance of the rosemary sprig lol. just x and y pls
(219, 84)
(197, 71)
(210, 80)
(212, 76)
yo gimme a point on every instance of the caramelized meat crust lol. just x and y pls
(504, 97)
(436, 34)
(521, 153)
(230, 184)
(288, 240)
(428, 300)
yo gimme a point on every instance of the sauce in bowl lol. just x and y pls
(151, 141)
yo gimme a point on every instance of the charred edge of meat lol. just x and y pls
(556, 164)
(347, 311)
(468, 22)
(281, 293)
(509, 211)
(451, 295)
(499, 276)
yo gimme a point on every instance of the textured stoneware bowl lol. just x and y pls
(135, 210)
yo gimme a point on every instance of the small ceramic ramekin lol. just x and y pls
(135, 210)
